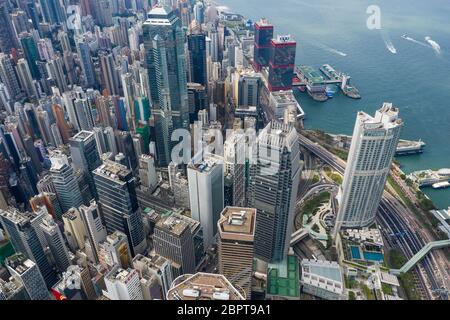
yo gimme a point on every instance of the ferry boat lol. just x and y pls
(441, 185)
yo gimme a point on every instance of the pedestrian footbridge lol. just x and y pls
(420, 255)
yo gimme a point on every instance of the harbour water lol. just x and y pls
(416, 79)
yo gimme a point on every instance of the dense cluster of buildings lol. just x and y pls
(91, 199)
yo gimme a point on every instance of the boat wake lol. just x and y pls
(390, 47)
(342, 54)
(388, 43)
(415, 41)
(436, 47)
(329, 49)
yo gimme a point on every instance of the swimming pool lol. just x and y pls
(373, 256)
(355, 253)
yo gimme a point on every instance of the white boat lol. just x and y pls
(441, 185)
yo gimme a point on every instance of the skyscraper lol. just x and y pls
(7, 37)
(236, 246)
(109, 73)
(234, 161)
(86, 62)
(25, 78)
(263, 36)
(8, 76)
(23, 227)
(30, 276)
(282, 63)
(56, 243)
(65, 182)
(123, 284)
(165, 60)
(197, 58)
(173, 240)
(31, 53)
(147, 172)
(248, 94)
(115, 251)
(273, 190)
(206, 187)
(372, 150)
(117, 195)
(52, 11)
(94, 226)
(83, 149)
(74, 229)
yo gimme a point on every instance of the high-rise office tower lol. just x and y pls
(56, 72)
(47, 200)
(87, 66)
(198, 100)
(263, 36)
(74, 229)
(206, 187)
(142, 110)
(25, 78)
(125, 144)
(236, 246)
(109, 73)
(273, 190)
(372, 150)
(52, 11)
(7, 38)
(123, 284)
(199, 12)
(31, 53)
(28, 272)
(19, 22)
(23, 228)
(65, 182)
(83, 112)
(197, 58)
(117, 195)
(147, 172)
(234, 161)
(8, 76)
(63, 131)
(110, 139)
(100, 140)
(282, 63)
(94, 226)
(151, 268)
(115, 251)
(173, 240)
(248, 87)
(56, 243)
(165, 60)
(83, 149)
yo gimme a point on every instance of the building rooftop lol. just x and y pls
(173, 224)
(263, 23)
(82, 136)
(203, 286)
(119, 274)
(324, 269)
(283, 278)
(113, 171)
(19, 263)
(17, 216)
(11, 287)
(238, 220)
(205, 166)
(153, 261)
